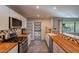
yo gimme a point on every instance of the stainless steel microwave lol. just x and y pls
(14, 23)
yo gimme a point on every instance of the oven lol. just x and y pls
(23, 46)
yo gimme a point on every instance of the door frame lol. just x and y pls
(34, 29)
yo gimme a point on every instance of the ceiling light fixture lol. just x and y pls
(54, 7)
(37, 7)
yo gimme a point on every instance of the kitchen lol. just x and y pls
(38, 29)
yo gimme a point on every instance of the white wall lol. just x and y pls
(4, 16)
(44, 23)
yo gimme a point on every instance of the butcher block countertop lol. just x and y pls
(23, 35)
(7, 46)
(67, 45)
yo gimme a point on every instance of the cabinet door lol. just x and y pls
(14, 14)
(14, 50)
(29, 39)
(24, 22)
(57, 48)
(4, 18)
(47, 39)
(50, 45)
(60, 50)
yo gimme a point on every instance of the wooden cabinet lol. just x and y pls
(4, 18)
(14, 50)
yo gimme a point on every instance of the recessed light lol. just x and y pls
(54, 7)
(37, 7)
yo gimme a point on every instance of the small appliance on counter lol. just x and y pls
(23, 31)
(1, 38)
(2, 35)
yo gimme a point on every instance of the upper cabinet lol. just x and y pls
(24, 22)
(14, 14)
(4, 18)
(20, 17)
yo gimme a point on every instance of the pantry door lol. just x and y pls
(37, 30)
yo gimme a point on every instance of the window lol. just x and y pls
(77, 26)
(68, 26)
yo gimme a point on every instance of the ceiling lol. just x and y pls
(46, 11)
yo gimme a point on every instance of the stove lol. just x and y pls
(22, 43)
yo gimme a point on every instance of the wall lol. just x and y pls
(4, 16)
(44, 23)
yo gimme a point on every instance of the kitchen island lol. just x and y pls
(59, 44)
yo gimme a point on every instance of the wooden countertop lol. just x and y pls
(23, 35)
(67, 45)
(6, 46)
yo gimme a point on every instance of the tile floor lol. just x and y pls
(37, 46)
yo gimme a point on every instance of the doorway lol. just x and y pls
(37, 30)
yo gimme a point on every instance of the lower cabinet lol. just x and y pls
(50, 45)
(57, 48)
(14, 50)
(29, 39)
(53, 46)
(47, 39)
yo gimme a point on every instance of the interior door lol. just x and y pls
(37, 30)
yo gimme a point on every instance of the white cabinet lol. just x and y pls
(20, 17)
(14, 14)
(24, 22)
(47, 39)
(4, 17)
(53, 46)
(57, 48)
(14, 50)
(29, 39)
